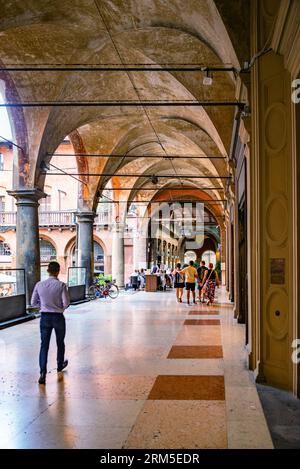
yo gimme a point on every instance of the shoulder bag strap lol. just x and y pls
(209, 276)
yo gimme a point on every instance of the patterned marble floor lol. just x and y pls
(145, 372)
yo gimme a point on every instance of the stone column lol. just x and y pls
(27, 232)
(181, 253)
(85, 254)
(173, 260)
(118, 257)
(236, 263)
(159, 251)
(227, 254)
(139, 251)
(223, 255)
(231, 260)
(154, 248)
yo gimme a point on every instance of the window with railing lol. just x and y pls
(45, 204)
(47, 251)
(2, 203)
(4, 249)
(104, 210)
(98, 258)
(61, 198)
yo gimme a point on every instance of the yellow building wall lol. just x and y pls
(271, 180)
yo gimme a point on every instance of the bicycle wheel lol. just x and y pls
(92, 292)
(113, 291)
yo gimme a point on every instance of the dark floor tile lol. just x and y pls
(170, 387)
(202, 322)
(204, 312)
(196, 351)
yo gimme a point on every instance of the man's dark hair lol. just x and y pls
(53, 268)
(178, 265)
(191, 263)
(203, 262)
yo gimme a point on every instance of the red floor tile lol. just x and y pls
(188, 388)
(196, 351)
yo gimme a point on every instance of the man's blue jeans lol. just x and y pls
(48, 322)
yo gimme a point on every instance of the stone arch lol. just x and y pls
(69, 246)
(49, 239)
(18, 129)
(101, 243)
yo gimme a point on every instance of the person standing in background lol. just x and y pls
(142, 278)
(201, 272)
(210, 280)
(191, 275)
(52, 298)
(178, 282)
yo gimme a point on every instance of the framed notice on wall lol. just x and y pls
(277, 271)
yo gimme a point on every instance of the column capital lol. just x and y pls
(27, 196)
(86, 217)
(118, 227)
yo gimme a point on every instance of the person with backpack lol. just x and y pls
(210, 280)
(178, 282)
(201, 272)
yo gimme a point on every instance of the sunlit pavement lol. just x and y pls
(144, 372)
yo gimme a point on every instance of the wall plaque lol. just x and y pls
(277, 271)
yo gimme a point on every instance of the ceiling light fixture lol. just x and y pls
(154, 179)
(207, 79)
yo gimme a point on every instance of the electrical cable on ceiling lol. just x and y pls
(134, 87)
(147, 67)
(161, 176)
(122, 102)
(163, 201)
(63, 173)
(193, 188)
(265, 50)
(105, 155)
(12, 143)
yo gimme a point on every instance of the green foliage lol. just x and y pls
(102, 277)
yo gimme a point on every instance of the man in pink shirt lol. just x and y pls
(52, 298)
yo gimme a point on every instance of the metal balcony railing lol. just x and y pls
(7, 218)
(54, 218)
(59, 218)
(103, 218)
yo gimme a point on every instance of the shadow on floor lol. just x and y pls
(282, 412)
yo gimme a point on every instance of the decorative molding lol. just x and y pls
(286, 40)
(280, 24)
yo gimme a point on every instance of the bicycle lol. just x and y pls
(103, 291)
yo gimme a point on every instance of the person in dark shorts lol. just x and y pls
(178, 282)
(201, 272)
(191, 275)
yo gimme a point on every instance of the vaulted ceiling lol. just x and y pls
(122, 32)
